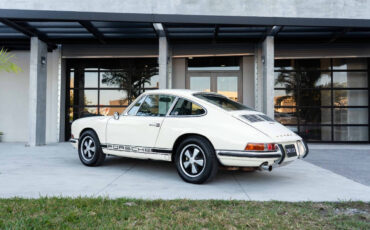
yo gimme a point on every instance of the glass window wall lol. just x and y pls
(323, 99)
(105, 86)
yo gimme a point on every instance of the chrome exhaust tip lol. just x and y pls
(266, 167)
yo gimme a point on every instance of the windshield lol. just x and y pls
(222, 102)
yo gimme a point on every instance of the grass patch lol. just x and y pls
(100, 213)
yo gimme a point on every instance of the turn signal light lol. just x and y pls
(255, 147)
(260, 147)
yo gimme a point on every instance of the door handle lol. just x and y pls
(155, 124)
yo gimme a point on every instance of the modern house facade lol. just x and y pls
(304, 63)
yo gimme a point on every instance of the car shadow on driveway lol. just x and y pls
(163, 167)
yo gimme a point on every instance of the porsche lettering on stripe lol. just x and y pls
(136, 149)
(129, 148)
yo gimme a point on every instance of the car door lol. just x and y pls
(139, 128)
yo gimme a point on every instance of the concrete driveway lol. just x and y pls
(55, 170)
(351, 161)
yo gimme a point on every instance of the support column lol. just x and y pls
(258, 79)
(37, 93)
(165, 66)
(264, 76)
(268, 57)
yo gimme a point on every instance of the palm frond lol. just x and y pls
(6, 63)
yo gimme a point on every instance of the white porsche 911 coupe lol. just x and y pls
(198, 131)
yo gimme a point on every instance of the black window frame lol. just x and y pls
(332, 107)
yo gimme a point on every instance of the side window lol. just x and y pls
(156, 105)
(186, 108)
(136, 107)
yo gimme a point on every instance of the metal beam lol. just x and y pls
(91, 28)
(17, 27)
(181, 18)
(215, 32)
(159, 29)
(271, 31)
(339, 34)
(27, 30)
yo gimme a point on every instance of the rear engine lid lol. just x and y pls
(266, 125)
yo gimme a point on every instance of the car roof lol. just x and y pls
(177, 92)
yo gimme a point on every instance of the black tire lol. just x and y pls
(186, 162)
(88, 142)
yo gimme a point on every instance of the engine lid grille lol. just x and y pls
(257, 118)
(252, 118)
(267, 118)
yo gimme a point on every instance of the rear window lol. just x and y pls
(187, 108)
(222, 102)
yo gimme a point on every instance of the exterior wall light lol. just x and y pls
(43, 60)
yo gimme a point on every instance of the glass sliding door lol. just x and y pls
(228, 86)
(200, 83)
(215, 74)
(224, 83)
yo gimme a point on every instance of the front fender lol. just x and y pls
(97, 124)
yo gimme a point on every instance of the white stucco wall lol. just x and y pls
(355, 9)
(14, 100)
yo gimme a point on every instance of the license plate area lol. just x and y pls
(290, 150)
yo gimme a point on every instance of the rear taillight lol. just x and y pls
(271, 147)
(72, 137)
(261, 147)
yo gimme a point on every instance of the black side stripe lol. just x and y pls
(138, 149)
(156, 150)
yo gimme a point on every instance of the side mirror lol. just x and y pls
(116, 115)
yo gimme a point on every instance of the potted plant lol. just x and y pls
(1, 134)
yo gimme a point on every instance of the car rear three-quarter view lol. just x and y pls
(197, 131)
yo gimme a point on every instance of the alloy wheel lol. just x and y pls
(192, 160)
(88, 148)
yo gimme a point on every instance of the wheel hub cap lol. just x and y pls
(88, 148)
(192, 160)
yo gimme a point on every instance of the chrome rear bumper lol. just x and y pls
(247, 158)
(248, 154)
(235, 158)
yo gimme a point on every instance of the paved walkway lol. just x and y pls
(55, 170)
